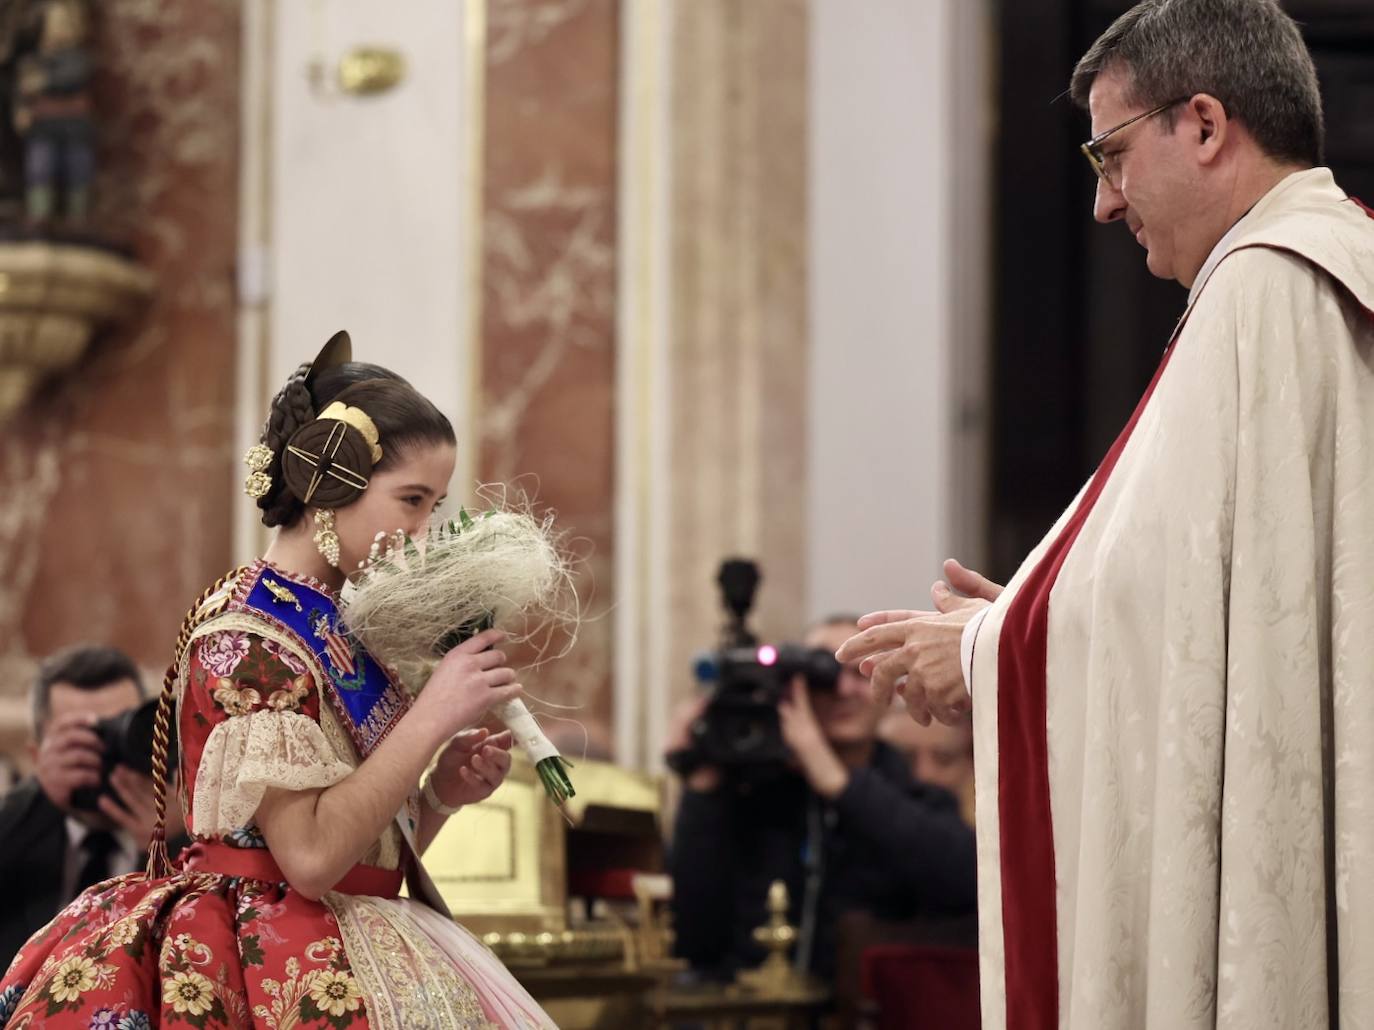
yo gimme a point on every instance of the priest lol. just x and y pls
(1173, 698)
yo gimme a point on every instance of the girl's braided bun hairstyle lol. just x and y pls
(403, 416)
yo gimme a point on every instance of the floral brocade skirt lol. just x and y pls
(207, 950)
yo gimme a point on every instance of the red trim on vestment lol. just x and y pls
(1029, 919)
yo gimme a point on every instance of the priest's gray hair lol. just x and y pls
(1246, 53)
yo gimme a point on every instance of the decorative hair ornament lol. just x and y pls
(326, 540)
(259, 460)
(337, 350)
(359, 420)
(327, 462)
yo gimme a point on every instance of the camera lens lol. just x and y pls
(822, 671)
(125, 739)
(128, 738)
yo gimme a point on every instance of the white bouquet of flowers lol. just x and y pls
(416, 599)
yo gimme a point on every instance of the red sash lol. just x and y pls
(258, 864)
(1029, 915)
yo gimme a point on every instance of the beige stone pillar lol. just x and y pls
(738, 355)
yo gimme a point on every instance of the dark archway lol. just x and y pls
(1080, 324)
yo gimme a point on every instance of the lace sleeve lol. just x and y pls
(261, 708)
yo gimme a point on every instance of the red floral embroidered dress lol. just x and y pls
(224, 942)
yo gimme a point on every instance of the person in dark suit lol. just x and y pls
(848, 830)
(52, 846)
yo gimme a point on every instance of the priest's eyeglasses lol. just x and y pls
(1105, 165)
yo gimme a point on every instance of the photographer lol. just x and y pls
(846, 828)
(59, 832)
(938, 753)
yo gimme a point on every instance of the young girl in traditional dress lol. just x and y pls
(301, 764)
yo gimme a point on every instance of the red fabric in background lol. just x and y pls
(923, 988)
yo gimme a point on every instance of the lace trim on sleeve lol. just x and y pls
(246, 755)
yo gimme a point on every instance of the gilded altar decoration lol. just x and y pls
(53, 299)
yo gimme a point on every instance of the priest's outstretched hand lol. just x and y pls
(916, 653)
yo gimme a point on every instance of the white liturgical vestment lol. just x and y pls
(1174, 697)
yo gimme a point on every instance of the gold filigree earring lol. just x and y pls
(259, 460)
(326, 540)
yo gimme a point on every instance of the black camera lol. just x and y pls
(738, 730)
(125, 739)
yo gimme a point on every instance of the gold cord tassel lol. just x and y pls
(159, 864)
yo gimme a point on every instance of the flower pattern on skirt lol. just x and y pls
(204, 949)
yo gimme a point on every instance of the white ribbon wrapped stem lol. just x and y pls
(525, 730)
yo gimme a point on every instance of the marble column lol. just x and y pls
(115, 481)
(546, 404)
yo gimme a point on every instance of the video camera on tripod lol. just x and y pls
(739, 731)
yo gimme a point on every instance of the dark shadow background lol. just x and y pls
(1080, 324)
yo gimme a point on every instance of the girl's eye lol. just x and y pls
(414, 502)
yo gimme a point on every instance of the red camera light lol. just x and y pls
(768, 655)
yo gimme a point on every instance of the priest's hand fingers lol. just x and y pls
(947, 601)
(953, 712)
(884, 637)
(930, 656)
(870, 663)
(969, 582)
(942, 674)
(885, 677)
(916, 705)
(883, 618)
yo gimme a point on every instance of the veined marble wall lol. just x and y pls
(733, 354)
(115, 482)
(548, 279)
(116, 489)
(485, 186)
